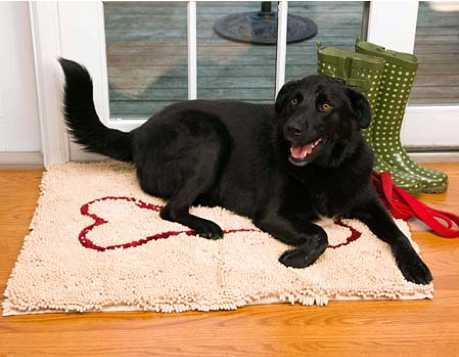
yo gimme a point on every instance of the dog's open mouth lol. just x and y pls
(300, 154)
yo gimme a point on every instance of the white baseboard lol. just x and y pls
(35, 158)
(451, 156)
(433, 156)
(21, 159)
(431, 126)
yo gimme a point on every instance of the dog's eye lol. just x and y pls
(294, 101)
(325, 107)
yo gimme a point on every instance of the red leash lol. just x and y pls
(402, 205)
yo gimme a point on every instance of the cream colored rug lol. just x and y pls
(98, 244)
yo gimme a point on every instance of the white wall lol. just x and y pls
(19, 125)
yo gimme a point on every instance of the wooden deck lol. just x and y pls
(437, 48)
(147, 53)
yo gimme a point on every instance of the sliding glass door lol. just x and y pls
(146, 55)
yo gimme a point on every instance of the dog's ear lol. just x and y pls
(339, 80)
(360, 107)
(284, 95)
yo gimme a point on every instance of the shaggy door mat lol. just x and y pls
(98, 244)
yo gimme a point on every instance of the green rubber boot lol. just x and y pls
(397, 81)
(357, 70)
(365, 73)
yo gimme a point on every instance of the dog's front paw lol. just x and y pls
(209, 230)
(412, 267)
(307, 253)
(298, 258)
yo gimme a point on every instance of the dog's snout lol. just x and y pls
(294, 130)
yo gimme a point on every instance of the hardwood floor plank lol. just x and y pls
(354, 328)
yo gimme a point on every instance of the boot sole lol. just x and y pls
(436, 189)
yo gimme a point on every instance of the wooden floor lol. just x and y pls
(147, 53)
(394, 328)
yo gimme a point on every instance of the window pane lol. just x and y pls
(228, 69)
(437, 49)
(146, 56)
(338, 25)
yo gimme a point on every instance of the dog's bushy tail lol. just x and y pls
(82, 120)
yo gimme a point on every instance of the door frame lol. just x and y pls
(66, 29)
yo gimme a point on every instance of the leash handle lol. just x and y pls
(402, 205)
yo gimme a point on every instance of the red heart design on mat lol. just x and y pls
(98, 221)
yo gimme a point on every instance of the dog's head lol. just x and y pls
(319, 119)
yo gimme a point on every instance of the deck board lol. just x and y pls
(147, 53)
(437, 48)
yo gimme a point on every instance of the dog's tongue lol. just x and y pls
(299, 152)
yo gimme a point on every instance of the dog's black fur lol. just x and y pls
(237, 155)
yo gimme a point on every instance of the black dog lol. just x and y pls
(282, 165)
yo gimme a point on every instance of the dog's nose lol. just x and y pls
(294, 129)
